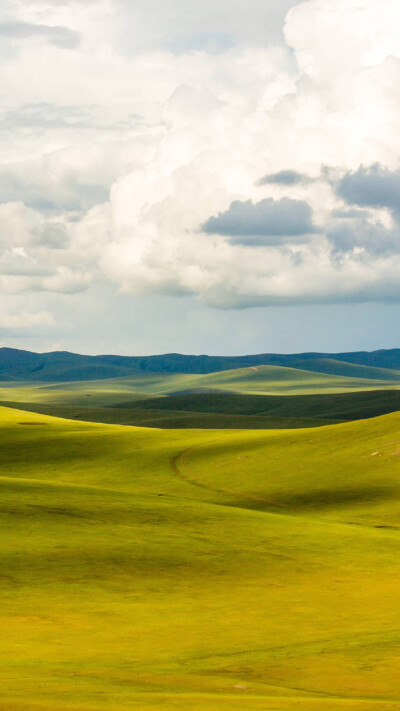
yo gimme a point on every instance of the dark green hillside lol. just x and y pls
(167, 419)
(337, 406)
(219, 410)
(256, 397)
(58, 366)
(330, 366)
(63, 366)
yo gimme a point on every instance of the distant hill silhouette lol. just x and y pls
(62, 366)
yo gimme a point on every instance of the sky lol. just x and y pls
(219, 177)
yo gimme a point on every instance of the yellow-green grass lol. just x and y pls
(251, 398)
(87, 400)
(148, 569)
(277, 380)
(97, 393)
(268, 380)
(171, 419)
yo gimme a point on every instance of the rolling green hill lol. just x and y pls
(63, 366)
(175, 570)
(342, 406)
(167, 418)
(267, 379)
(331, 366)
(253, 398)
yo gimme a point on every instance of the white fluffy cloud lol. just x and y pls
(133, 138)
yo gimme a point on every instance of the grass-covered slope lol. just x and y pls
(257, 397)
(63, 366)
(331, 366)
(252, 398)
(332, 406)
(270, 380)
(263, 380)
(148, 569)
(167, 418)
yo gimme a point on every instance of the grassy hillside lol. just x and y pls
(167, 418)
(230, 410)
(270, 380)
(197, 570)
(63, 366)
(342, 406)
(266, 380)
(252, 398)
(331, 366)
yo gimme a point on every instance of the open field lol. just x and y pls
(252, 398)
(261, 380)
(165, 418)
(149, 569)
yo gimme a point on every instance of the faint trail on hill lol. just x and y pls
(188, 476)
(182, 470)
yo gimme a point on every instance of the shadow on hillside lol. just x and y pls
(320, 499)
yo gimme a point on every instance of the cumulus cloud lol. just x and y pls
(267, 218)
(285, 177)
(375, 186)
(362, 234)
(175, 117)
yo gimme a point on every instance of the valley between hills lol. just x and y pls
(200, 540)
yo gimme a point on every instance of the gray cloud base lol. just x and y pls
(262, 220)
(374, 186)
(285, 177)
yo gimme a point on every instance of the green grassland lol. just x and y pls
(341, 406)
(167, 418)
(190, 569)
(265, 380)
(261, 397)
(271, 380)
(342, 368)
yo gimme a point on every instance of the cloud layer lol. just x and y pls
(202, 154)
(61, 37)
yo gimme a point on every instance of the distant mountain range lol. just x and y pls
(62, 366)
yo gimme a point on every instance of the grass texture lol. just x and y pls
(178, 570)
